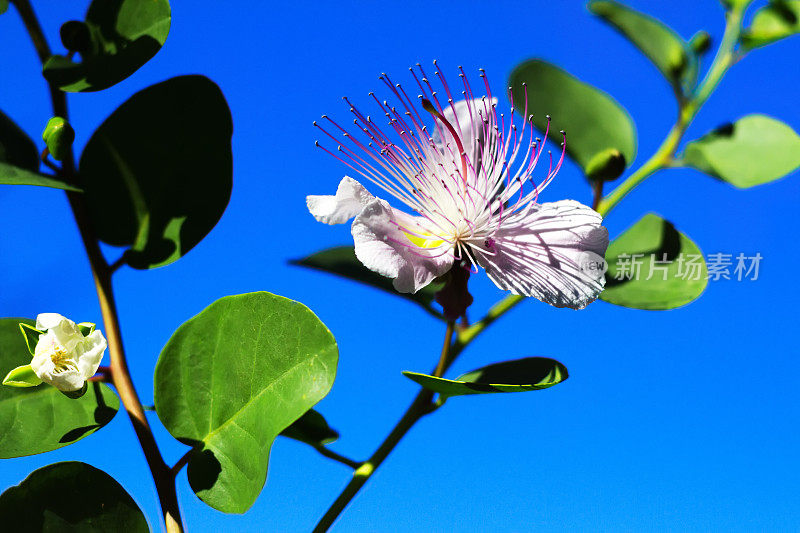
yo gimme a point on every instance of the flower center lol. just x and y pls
(424, 240)
(62, 362)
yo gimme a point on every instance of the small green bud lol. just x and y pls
(607, 165)
(22, 376)
(75, 36)
(700, 42)
(58, 135)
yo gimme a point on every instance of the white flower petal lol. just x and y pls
(350, 199)
(45, 321)
(383, 248)
(92, 353)
(553, 252)
(468, 120)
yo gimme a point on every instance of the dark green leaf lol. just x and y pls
(40, 419)
(123, 35)
(11, 175)
(16, 148)
(754, 150)
(70, 497)
(530, 373)
(311, 428)
(158, 172)
(595, 123)
(653, 248)
(665, 48)
(343, 262)
(3, 6)
(774, 22)
(234, 377)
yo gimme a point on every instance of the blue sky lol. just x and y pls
(681, 420)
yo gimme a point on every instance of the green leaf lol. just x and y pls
(342, 261)
(3, 6)
(231, 379)
(16, 148)
(311, 428)
(777, 20)
(86, 328)
(595, 123)
(31, 336)
(11, 175)
(58, 135)
(23, 377)
(665, 48)
(70, 497)
(158, 172)
(653, 248)
(40, 419)
(123, 35)
(530, 373)
(754, 150)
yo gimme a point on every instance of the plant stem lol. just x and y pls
(688, 111)
(164, 481)
(421, 406)
(330, 454)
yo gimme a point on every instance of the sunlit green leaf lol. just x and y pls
(665, 48)
(11, 175)
(530, 373)
(342, 261)
(40, 419)
(777, 20)
(754, 150)
(16, 148)
(311, 428)
(233, 378)
(157, 173)
(653, 266)
(70, 497)
(22, 376)
(122, 36)
(595, 123)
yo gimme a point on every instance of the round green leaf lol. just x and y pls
(157, 174)
(652, 248)
(16, 148)
(40, 419)
(311, 428)
(754, 150)
(530, 373)
(70, 496)
(342, 261)
(122, 36)
(665, 48)
(232, 379)
(777, 20)
(595, 123)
